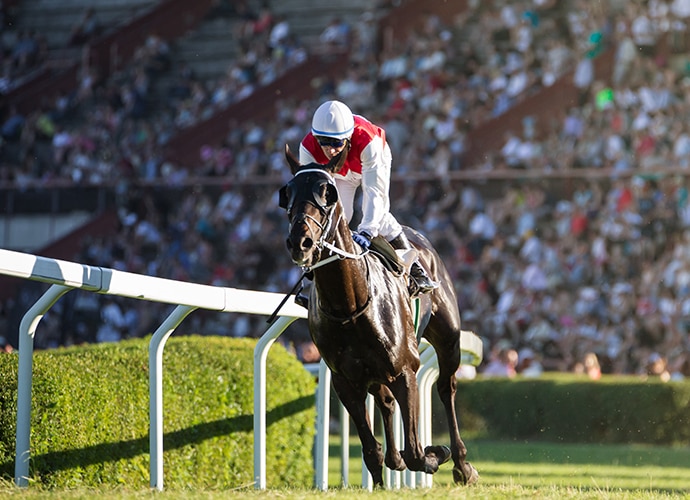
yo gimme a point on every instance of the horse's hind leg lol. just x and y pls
(386, 405)
(354, 398)
(448, 362)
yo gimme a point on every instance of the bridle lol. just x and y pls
(325, 241)
(327, 228)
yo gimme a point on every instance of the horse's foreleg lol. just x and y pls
(463, 471)
(354, 400)
(386, 405)
(406, 392)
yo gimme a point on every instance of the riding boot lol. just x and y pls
(420, 281)
(302, 300)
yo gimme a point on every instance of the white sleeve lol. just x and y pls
(305, 156)
(376, 174)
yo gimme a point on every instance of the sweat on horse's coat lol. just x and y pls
(362, 322)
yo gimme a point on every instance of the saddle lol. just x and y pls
(389, 256)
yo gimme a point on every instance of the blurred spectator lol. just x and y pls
(307, 352)
(337, 35)
(86, 29)
(528, 363)
(656, 366)
(502, 363)
(681, 368)
(27, 51)
(113, 326)
(589, 366)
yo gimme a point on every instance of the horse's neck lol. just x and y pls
(342, 284)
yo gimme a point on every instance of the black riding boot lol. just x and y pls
(420, 282)
(302, 300)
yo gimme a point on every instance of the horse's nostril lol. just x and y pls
(307, 243)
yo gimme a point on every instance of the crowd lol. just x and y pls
(24, 51)
(106, 130)
(21, 50)
(550, 280)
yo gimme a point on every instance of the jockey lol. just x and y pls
(368, 164)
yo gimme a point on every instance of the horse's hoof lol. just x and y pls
(435, 456)
(467, 479)
(442, 453)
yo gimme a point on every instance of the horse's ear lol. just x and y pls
(292, 160)
(338, 160)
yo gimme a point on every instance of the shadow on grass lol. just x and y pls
(122, 450)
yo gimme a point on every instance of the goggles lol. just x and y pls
(330, 142)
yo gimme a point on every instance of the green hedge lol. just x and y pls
(90, 415)
(558, 407)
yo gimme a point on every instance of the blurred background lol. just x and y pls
(542, 145)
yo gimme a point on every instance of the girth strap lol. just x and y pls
(343, 320)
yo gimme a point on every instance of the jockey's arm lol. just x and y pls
(376, 173)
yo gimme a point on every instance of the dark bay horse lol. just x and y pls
(362, 322)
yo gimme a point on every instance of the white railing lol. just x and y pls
(65, 276)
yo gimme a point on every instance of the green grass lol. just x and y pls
(507, 470)
(544, 465)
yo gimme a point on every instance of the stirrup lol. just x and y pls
(420, 287)
(420, 282)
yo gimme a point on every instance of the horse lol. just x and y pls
(361, 319)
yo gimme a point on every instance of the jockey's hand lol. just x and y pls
(362, 239)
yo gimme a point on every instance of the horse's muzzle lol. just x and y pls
(301, 250)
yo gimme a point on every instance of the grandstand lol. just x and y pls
(186, 171)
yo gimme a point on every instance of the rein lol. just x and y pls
(338, 254)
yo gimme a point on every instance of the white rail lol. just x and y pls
(65, 276)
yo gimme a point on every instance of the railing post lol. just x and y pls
(427, 375)
(367, 480)
(260, 355)
(345, 445)
(323, 411)
(156, 346)
(27, 331)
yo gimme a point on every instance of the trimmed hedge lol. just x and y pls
(559, 407)
(90, 415)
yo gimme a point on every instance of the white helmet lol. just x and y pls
(333, 119)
